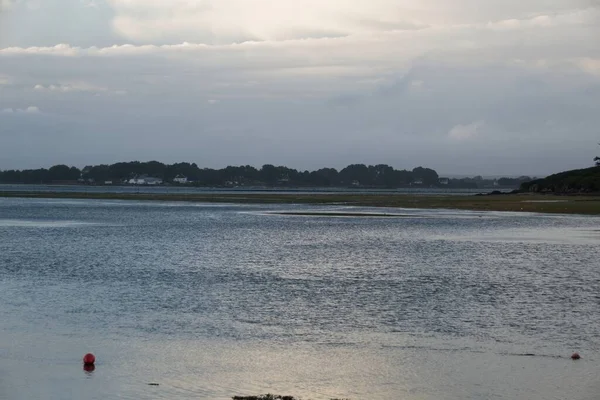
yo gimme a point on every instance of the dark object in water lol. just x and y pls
(575, 356)
(269, 397)
(89, 368)
(264, 397)
(153, 384)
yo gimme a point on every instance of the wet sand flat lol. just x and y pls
(581, 204)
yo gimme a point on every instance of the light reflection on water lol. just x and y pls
(211, 302)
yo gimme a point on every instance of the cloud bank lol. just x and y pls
(308, 83)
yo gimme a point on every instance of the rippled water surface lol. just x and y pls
(211, 301)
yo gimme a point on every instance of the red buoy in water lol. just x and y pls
(89, 359)
(575, 356)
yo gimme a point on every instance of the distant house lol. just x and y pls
(180, 179)
(418, 181)
(153, 181)
(108, 182)
(355, 183)
(135, 181)
(444, 181)
(496, 183)
(145, 180)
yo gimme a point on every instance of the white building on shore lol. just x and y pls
(145, 180)
(180, 179)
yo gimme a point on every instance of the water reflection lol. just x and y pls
(89, 368)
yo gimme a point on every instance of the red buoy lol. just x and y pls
(89, 359)
(575, 356)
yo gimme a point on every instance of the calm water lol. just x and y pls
(211, 301)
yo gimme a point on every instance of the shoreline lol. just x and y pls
(556, 204)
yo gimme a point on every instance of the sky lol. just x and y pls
(495, 87)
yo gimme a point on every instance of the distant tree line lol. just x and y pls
(355, 175)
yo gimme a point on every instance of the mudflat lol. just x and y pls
(574, 204)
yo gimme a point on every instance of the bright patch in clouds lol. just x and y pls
(77, 87)
(5, 4)
(28, 110)
(223, 21)
(590, 65)
(465, 132)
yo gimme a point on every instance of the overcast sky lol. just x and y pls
(494, 87)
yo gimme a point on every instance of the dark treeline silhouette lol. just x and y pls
(355, 175)
(585, 180)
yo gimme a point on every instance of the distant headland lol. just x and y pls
(577, 181)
